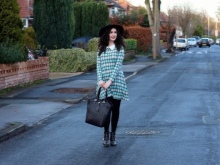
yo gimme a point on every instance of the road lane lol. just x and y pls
(172, 118)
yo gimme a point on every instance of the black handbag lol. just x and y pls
(98, 111)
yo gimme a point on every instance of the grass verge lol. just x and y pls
(7, 91)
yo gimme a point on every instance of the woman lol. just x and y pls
(110, 75)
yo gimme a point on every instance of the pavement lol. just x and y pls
(22, 109)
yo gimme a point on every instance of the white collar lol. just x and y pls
(111, 47)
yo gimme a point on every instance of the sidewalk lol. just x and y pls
(25, 108)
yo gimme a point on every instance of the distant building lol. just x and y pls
(119, 7)
(26, 11)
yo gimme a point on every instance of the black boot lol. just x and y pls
(112, 139)
(106, 139)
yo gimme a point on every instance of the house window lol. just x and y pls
(25, 22)
(113, 11)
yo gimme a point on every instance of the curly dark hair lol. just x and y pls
(104, 41)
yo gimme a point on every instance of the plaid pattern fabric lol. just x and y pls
(109, 67)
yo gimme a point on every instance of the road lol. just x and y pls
(172, 118)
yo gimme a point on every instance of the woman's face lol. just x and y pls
(113, 35)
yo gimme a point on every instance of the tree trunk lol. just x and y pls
(157, 28)
(154, 26)
(170, 41)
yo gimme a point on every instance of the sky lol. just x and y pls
(209, 5)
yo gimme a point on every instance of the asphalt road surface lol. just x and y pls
(172, 118)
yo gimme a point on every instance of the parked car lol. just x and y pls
(81, 42)
(217, 41)
(181, 43)
(211, 41)
(204, 42)
(192, 42)
(197, 39)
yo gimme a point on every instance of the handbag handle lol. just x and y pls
(98, 94)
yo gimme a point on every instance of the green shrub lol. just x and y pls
(94, 16)
(29, 38)
(54, 23)
(11, 24)
(131, 44)
(91, 60)
(71, 60)
(12, 53)
(93, 45)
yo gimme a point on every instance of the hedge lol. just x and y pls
(71, 60)
(11, 53)
(131, 44)
(93, 45)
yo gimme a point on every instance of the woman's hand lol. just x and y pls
(107, 84)
(101, 83)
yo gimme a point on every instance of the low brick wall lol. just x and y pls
(23, 72)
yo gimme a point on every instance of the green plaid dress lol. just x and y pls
(109, 67)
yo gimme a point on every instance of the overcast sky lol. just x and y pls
(209, 5)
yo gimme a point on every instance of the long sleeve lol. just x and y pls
(109, 67)
(98, 68)
(118, 64)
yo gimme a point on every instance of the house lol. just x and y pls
(126, 5)
(114, 8)
(119, 7)
(26, 11)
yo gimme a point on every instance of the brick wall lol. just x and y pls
(23, 72)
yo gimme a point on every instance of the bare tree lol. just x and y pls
(218, 13)
(168, 26)
(154, 21)
(184, 17)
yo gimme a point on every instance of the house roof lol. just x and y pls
(26, 8)
(31, 4)
(125, 4)
(114, 4)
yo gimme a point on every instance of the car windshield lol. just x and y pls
(204, 40)
(181, 40)
(196, 37)
(191, 39)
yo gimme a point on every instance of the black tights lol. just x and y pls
(114, 115)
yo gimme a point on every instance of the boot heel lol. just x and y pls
(106, 139)
(112, 139)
